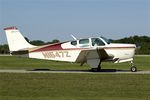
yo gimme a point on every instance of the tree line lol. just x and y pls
(142, 43)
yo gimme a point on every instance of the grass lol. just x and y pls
(61, 86)
(141, 62)
(74, 87)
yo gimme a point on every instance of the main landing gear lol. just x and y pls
(98, 69)
(133, 68)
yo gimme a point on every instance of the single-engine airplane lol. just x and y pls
(92, 51)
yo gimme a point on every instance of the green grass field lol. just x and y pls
(74, 87)
(60, 86)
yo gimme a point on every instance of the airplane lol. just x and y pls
(93, 50)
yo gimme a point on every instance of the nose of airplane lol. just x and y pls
(131, 45)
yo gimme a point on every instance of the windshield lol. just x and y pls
(97, 42)
(106, 40)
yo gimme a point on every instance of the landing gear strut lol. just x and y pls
(133, 68)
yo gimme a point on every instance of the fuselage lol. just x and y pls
(70, 51)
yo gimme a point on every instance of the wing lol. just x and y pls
(93, 56)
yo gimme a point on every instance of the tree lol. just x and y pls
(54, 41)
(37, 42)
(4, 49)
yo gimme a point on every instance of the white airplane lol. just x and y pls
(92, 51)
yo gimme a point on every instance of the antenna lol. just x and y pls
(73, 37)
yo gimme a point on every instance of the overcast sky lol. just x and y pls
(57, 19)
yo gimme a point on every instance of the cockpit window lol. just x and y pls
(84, 41)
(74, 43)
(106, 40)
(97, 42)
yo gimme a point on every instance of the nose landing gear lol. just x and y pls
(133, 68)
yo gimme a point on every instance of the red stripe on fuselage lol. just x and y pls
(49, 48)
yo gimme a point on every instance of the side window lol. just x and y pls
(74, 43)
(97, 42)
(84, 41)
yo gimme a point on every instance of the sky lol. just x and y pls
(57, 19)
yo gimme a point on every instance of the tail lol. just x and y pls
(15, 40)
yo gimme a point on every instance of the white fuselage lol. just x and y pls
(70, 53)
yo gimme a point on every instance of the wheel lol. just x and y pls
(99, 69)
(96, 69)
(133, 69)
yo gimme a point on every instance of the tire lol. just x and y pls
(133, 69)
(96, 69)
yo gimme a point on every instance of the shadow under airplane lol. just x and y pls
(102, 70)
